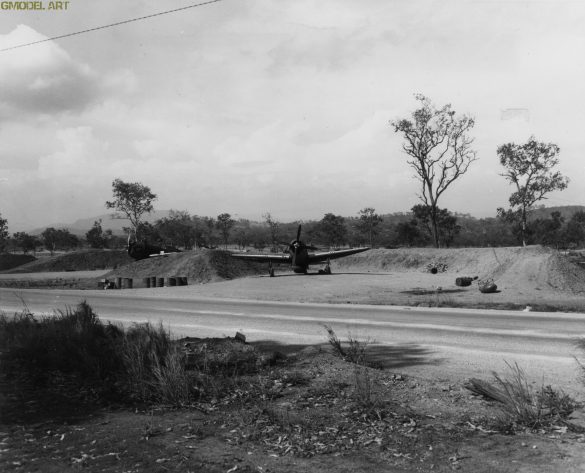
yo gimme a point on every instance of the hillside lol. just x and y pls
(566, 211)
(81, 226)
(9, 260)
(86, 260)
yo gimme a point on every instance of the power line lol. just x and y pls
(111, 25)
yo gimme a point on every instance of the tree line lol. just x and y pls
(366, 228)
(438, 146)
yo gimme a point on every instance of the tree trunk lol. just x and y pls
(523, 226)
(435, 227)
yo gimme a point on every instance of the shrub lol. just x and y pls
(155, 366)
(520, 405)
(72, 342)
(354, 350)
(141, 363)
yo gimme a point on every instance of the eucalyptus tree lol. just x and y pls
(530, 169)
(438, 145)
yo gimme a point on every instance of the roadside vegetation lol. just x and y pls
(139, 364)
(521, 406)
(218, 404)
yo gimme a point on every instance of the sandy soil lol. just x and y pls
(424, 425)
(313, 413)
(537, 277)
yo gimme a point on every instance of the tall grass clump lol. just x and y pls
(352, 350)
(520, 404)
(154, 365)
(72, 342)
(139, 364)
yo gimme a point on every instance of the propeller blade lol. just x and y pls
(299, 234)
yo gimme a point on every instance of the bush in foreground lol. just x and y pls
(141, 363)
(73, 342)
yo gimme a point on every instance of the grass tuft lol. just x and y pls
(521, 406)
(352, 350)
(142, 363)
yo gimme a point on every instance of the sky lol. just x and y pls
(280, 106)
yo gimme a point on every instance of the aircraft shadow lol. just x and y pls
(390, 357)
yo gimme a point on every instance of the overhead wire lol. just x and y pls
(111, 25)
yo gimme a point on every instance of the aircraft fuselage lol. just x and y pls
(299, 257)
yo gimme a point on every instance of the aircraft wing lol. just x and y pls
(263, 258)
(328, 255)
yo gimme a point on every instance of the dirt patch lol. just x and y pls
(310, 412)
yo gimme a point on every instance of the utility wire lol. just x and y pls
(111, 25)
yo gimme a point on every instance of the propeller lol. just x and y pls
(291, 244)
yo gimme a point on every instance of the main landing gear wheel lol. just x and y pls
(271, 272)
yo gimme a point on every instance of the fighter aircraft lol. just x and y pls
(143, 250)
(299, 257)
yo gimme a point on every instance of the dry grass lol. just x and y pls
(352, 350)
(142, 363)
(520, 405)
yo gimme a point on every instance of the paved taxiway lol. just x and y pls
(445, 344)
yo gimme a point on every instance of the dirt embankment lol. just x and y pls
(9, 261)
(533, 266)
(86, 260)
(198, 266)
(541, 278)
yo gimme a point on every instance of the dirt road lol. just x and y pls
(449, 344)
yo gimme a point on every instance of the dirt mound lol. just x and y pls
(481, 261)
(537, 266)
(87, 260)
(199, 266)
(9, 261)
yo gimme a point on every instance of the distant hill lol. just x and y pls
(80, 227)
(567, 211)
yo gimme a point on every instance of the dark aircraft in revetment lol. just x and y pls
(299, 256)
(144, 250)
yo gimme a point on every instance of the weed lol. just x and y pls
(355, 351)
(520, 405)
(335, 342)
(172, 383)
(363, 387)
